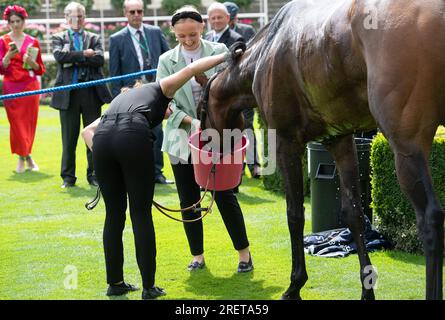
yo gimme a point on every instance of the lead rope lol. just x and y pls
(90, 205)
(207, 210)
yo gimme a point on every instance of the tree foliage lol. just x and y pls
(119, 4)
(61, 4)
(31, 6)
(172, 5)
(242, 3)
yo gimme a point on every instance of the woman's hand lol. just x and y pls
(13, 50)
(196, 125)
(88, 133)
(29, 60)
(11, 53)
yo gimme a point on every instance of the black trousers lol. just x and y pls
(123, 160)
(158, 154)
(84, 104)
(189, 193)
(249, 114)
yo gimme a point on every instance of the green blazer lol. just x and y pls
(175, 141)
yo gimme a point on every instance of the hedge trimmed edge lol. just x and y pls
(393, 214)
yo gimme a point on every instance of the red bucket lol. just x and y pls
(228, 168)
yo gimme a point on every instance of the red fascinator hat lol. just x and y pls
(18, 10)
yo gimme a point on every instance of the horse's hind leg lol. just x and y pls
(344, 153)
(415, 180)
(289, 155)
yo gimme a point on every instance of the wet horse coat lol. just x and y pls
(324, 70)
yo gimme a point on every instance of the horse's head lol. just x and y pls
(218, 110)
(225, 97)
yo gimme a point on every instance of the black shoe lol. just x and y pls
(67, 184)
(152, 293)
(245, 266)
(195, 265)
(256, 172)
(93, 182)
(162, 180)
(120, 289)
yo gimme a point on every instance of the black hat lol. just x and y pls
(232, 8)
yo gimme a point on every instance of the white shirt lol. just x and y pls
(189, 57)
(217, 35)
(136, 44)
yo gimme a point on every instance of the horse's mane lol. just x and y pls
(262, 42)
(258, 47)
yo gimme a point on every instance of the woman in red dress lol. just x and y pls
(20, 66)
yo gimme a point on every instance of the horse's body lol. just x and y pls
(323, 70)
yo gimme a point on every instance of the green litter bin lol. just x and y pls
(325, 185)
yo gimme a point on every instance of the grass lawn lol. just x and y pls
(51, 246)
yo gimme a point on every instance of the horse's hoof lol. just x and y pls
(290, 296)
(368, 295)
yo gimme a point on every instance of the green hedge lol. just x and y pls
(393, 214)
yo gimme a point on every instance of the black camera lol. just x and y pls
(82, 75)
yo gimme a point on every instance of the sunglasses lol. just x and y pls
(133, 12)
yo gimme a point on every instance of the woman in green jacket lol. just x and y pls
(188, 26)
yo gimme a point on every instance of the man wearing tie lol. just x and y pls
(219, 19)
(80, 58)
(132, 49)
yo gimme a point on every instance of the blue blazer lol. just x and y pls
(123, 56)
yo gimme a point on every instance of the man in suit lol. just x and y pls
(135, 48)
(246, 30)
(80, 58)
(219, 19)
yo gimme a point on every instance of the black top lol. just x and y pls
(147, 99)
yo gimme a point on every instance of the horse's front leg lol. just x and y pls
(344, 153)
(289, 154)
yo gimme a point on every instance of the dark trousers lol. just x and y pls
(123, 160)
(249, 114)
(158, 154)
(84, 104)
(189, 193)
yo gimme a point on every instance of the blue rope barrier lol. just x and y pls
(77, 85)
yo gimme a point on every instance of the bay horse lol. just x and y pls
(327, 69)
